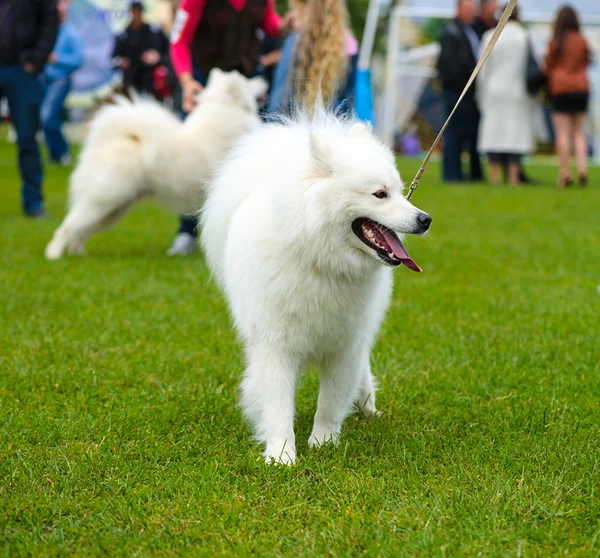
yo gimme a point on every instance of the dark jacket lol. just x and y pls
(34, 30)
(481, 25)
(132, 44)
(457, 60)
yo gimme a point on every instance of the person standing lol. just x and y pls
(567, 63)
(270, 54)
(211, 34)
(318, 61)
(486, 19)
(507, 129)
(139, 50)
(64, 60)
(28, 31)
(458, 57)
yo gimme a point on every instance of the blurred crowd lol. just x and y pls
(496, 119)
(309, 50)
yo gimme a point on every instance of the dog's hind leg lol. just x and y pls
(83, 220)
(77, 244)
(59, 242)
(340, 386)
(368, 386)
(268, 391)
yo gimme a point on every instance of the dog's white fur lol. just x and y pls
(138, 149)
(276, 231)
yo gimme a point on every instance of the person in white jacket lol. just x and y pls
(506, 130)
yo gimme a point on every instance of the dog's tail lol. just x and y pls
(138, 120)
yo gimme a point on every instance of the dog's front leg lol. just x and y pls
(268, 391)
(341, 377)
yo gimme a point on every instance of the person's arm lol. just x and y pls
(71, 57)
(588, 54)
(46, 36)
(449, 61)
(280, 90)
(550, 57)
(163, 48)
(187, 19)
(119, 57)
(272, 24)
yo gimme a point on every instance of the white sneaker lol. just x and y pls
(183, 245)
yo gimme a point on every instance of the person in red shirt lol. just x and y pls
(220, 34)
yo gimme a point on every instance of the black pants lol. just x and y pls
(461, 135)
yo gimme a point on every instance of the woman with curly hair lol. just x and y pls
(318, 61)
(567, 63)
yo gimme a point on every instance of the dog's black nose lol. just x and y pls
(424, 220)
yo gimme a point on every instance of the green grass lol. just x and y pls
(120, 432)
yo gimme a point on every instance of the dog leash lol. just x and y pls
(499, 28)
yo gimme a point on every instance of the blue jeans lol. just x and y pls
(24, 94)
(55, 94)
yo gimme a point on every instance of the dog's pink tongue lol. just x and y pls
(400, 252)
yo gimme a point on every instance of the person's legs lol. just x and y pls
(497, 162)
(451, 163)
(562, 131)
(23, 93)
(495, 170)
(50, 114)
(580, 143)
(513, 172)
(472, 123)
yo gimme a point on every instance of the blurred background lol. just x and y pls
(407, 104)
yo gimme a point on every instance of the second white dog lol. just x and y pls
(298, 229)
(138, 149)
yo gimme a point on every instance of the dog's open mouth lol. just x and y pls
(384, 241)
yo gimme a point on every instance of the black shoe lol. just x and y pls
(523, 179)
(37, 214)
(583, 180)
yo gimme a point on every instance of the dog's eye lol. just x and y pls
(380, 194)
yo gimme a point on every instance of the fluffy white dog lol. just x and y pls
(138, 149)
(298, 229)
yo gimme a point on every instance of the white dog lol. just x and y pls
(138, 149)
(298, 229)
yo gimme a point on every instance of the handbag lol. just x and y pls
(535, 78)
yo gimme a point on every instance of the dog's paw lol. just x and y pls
(322, 435)
(53, 251)
(368, 409)
(366, 400)
(280, 454)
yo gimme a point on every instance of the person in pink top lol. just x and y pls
(220, 34)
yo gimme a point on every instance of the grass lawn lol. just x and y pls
(120, 432)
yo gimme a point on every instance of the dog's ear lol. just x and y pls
(320, 155)
(259, 86)
(359, 130)
(237, 91)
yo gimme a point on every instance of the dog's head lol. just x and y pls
(233, 89)
(355, 188)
